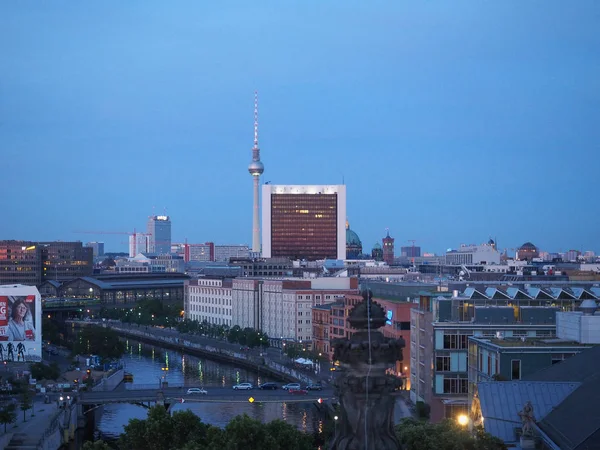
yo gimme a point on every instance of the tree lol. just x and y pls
(41, 371)
(234, 334)
(160, 431)
(96, 445)
(447, 435)
(8, 414)
(100, 341)
(26, 402)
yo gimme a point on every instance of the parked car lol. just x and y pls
(197, 391)
(314, 387)
(289, 386)
(298, 391)
(243, 386)
(268, 386)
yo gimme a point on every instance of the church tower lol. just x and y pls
(388, 249)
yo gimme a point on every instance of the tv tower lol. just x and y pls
(256, 168)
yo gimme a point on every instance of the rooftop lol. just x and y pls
(530, 342)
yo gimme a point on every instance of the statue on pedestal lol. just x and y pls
(366, 393)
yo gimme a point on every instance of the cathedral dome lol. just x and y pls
(353, 244)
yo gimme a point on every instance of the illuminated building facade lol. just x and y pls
(159, 231)
(304, 222)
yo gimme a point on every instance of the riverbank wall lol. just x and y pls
(268, 367)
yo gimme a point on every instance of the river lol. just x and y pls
(146, 362)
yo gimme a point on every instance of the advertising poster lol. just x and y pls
(20, 323)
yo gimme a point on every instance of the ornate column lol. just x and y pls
(367, 394)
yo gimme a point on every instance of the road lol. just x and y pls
(214, 394)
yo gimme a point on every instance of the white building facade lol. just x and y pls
(283, 308)
(473, 254)
(209, 299)
(225, 252)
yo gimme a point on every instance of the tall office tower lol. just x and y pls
(304, 222)
(388, 249)
(256, 168)
(159, 235)
(97, 247)
(138, 243)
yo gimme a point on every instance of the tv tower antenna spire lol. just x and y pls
(256, 168)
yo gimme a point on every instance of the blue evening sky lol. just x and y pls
(450, 121)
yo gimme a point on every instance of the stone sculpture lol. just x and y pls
(366, 393)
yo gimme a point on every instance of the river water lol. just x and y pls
(146, 362)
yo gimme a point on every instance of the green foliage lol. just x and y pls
(96, 445)
(8, 414)
(447, 435)
(147, 312)
(100, 341)
(41, 371)
(51, 332)
(26, 402)
(160, 431)
(185, 431)
(423, 410)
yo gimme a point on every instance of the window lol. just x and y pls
(515, 366)
(404, 326)
(456, 385)
(442, 363)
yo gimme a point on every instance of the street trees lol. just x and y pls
(8, 414)
(41, 371)
(100, 341)
(26, 402)
(447, 435)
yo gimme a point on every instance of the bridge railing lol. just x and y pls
(157, 386)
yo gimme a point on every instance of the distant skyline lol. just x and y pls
(449, 122)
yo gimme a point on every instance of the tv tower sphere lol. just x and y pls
(256, 168)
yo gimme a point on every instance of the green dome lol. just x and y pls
(377, 246)
(352, 238)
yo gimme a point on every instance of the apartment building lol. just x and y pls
(441, 327)
(283, 308)
(209, 299)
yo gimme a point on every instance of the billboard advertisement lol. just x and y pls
(20, 323)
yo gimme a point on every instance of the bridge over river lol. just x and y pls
(170, 395)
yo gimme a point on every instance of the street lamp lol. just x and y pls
(335, 419)
(462, 420)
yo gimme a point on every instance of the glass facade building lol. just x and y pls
(304, 222)
(159, 231)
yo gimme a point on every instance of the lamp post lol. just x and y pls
(335, 419)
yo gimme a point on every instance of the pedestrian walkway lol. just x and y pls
(274, 355)
(28, 433)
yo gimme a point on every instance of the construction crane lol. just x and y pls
(412, 253)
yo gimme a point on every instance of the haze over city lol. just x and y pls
(448, 122)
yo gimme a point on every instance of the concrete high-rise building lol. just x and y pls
(388, 249)
(304, 222)
(97, 248)
(159, 235)
(256, 168)
(138, 243)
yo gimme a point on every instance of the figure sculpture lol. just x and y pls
(365, 391)
(527, 419)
